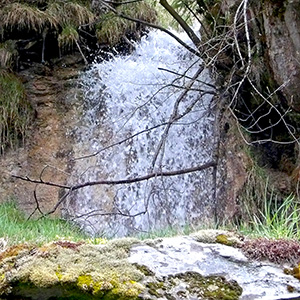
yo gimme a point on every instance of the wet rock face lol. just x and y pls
(282, 31)
(52, 91)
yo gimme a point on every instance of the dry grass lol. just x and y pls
(112, 28)
(15, 111)
(77, 14)
(21, 16)
(69, 13)
(8, 54)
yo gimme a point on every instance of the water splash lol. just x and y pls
(139, 94)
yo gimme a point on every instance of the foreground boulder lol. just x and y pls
(169, 268)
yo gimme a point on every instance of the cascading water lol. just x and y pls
(141, 93)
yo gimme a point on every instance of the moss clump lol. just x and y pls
(295, 271)
(154, 287)
(15, 111)
(211, 287)
(13, 251)
(217, 236)
(192, 285)
(224, 240)
(70, 271)
(68, 38)
(145, 270)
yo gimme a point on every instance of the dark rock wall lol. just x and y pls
(282, 31)
(250, 170)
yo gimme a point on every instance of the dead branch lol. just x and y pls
(110, 182)
(120, 181)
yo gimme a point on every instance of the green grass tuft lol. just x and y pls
(15, 227)
(277, 220)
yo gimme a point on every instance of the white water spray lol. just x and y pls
(138, 94)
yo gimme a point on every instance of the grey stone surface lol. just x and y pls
(259, 280)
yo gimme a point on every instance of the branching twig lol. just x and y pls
(174, 116)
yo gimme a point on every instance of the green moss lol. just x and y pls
(295, 271)
(145, 270)
(68, 38)
(81, 272)
(194, 286)
(86, 283)
(211, 287)
(224, 240)
(154, 287)
(224, 237)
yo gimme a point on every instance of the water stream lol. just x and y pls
(137, 95)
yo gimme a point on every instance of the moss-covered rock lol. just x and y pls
(192, 285)
(217, 236)
(69, 271)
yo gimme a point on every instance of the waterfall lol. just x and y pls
(136, 95)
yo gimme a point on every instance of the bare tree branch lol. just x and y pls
(120, 181)
(173, 116)
(194, 38)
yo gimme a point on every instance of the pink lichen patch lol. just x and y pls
(68, 244)
(277, 251)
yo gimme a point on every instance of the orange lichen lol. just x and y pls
(15, 250)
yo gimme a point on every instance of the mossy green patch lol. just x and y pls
(224, 239)
(70, 271)
(210, 287)
(192, 285)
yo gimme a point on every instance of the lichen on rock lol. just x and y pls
(82, 272)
